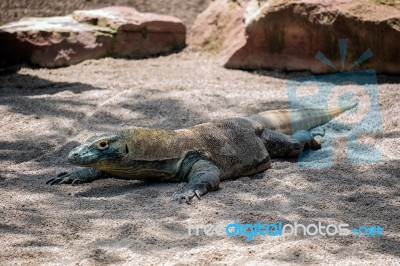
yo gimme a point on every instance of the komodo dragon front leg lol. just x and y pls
(204, 176)
(281, 145)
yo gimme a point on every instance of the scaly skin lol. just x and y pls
(202, 155)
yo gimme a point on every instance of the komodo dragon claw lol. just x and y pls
(65, 178)
(80, 176)
(62, 178)
(188, 195)
(320, 133)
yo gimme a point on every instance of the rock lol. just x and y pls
(89, 34)
(288, 34)
(52, 42)
(137, 34)
(218, 27)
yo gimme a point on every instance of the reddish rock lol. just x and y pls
(219, 26)
(287, 34)
(137, 34)
(52, 42)
(89, 34)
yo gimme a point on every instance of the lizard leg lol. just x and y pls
(281, 145)
(203, 177)
(84, 175)
(307, 139)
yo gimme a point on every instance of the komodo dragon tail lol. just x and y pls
(290, 121)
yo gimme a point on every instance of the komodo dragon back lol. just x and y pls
(290, 121)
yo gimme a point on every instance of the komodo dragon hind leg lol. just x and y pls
(203, 177)
(281, 145)
(306, 138)
(84, 175)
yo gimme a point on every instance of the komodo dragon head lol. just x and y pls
(132, 154)
(100, 151)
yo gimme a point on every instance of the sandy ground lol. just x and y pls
(45, 113)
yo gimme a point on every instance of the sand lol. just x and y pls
(47, 112)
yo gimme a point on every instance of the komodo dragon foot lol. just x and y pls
(203, 177)
(84, 175)
(281, 145)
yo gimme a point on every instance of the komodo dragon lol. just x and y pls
(202, 155)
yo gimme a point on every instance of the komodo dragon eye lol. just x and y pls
(102, 145)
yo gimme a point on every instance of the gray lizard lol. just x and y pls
(202, 155)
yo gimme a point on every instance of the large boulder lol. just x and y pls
(88, 34)
(137, 34)
(52, 42)
(290, 34)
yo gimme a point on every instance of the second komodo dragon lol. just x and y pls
(202, 155)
